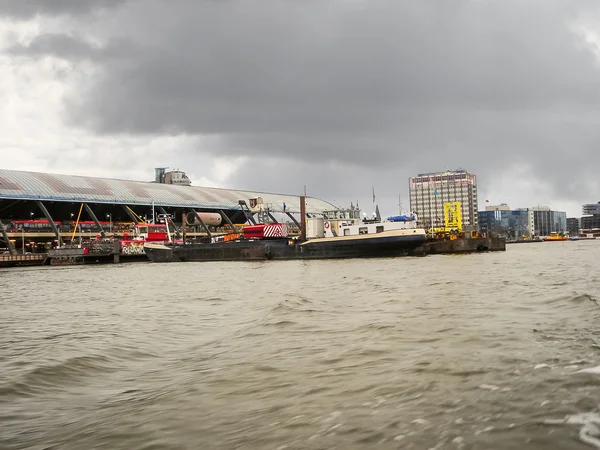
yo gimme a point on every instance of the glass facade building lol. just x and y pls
(512, 224)
(523, 223)
(547, 221)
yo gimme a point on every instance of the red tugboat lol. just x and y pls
(145, 233)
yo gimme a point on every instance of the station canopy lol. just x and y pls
(19, 185)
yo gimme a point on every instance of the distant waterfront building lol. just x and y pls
(547, 221)
(590, 222)
(429, 192)
(512, 224)
(591, 209)
(573, 226)
(500, 207)
(176, 177)
(523, 222)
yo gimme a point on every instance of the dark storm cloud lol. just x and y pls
(25, 9)
(230, 67)
(411, 85)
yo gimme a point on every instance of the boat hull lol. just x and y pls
(282, 249)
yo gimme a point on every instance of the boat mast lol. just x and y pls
(374, 200)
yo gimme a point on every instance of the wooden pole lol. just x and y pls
(303, 218)
(183, 225)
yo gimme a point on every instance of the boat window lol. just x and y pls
(379, 229)
(346, 231)
(363, 230)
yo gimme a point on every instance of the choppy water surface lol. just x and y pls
(485, 351)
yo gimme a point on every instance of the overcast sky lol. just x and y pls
(337, 95)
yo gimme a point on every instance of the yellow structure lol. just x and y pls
(452, 216)
(452, 219)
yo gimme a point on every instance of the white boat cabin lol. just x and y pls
(348, 222)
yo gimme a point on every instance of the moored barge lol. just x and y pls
(343, 235)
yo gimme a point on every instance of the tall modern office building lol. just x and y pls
(429, 192)
(548, 221)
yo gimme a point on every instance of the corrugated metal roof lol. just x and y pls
(18, 185)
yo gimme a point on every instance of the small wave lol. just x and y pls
(589, 433)
(372, 352)
(316, 390)
(426, 340)
(576, 298)
(61, 374)
(376, 326)
(470, 372)
(584, 298)
(265, 368)
(333, 360)
(281, 323)
(39, 379)
(427, 367)
(593, 370)
(373, 438)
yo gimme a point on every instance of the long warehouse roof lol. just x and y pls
(18, 185)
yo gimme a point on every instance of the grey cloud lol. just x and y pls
(70, 47)
(26, 9)
(60, 45)
(379, 89)
(233, 68)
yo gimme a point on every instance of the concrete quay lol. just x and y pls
(461, 246)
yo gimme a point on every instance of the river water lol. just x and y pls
(483, 351)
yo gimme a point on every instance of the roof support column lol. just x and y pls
(247, 212)
(293, 219)
(228, 220)
(51, 221)
(202, 223)
(95, 219)
(11, 248)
